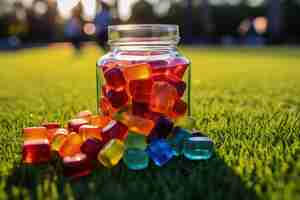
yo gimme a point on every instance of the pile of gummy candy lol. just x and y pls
(89, 138)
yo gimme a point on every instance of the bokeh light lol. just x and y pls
(89, 9)
(40, 8)
(125, 8)
(162, 8)
(89, 29)
(65, 7)
(260, 24)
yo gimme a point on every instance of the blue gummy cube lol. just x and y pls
(160, 152)
(161, 129)
(177, 140)
(198, 148)
(135, 159)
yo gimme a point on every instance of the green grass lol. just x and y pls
(246, 100)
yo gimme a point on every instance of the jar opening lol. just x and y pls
(143, 34)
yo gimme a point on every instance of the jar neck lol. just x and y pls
(147, 52)
(143, 48)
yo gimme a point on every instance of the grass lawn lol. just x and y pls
(246, 100)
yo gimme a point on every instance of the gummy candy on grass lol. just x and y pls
(86, 142)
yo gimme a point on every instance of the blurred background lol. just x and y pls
(27, 23)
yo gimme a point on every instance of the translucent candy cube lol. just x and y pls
(91, 147)
(90, 131)
(137, 71)
(76, 166)
(36, 151)
(114, 78)
(33, 133)
(160, 152)
(71, 146)
(163, 97)
(111, 153)
(135, 141)
(114, 129)
(176, 140)
(198, 148)
(135, 159)
(74, 124)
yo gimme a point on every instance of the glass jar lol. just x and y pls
(143, 76)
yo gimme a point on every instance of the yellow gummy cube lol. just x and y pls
(111, 153)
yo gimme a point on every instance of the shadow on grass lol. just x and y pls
(179, 179)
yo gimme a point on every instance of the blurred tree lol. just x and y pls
(142, 13)
(274, 16)
(188, 36)
(206, 18)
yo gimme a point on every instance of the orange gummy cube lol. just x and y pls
(57, 141)
(33, 133)
(90, 131)
(99, 120)
(163, 97)
(137, 124)
(71, 146)
(137, 71)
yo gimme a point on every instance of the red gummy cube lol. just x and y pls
(179, 108)
(36, 151)
(114, 78)
(74, 124)
(139, 108)
(172, 80)
(105, 107)
(117, 98)
(163, 97)
(114, 129)
(140, 90)
(159, 66)
(51, 129)
(77, 166)
(91, 147)
(51, 125)
(178, 66)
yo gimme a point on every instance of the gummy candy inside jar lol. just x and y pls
(144, 77)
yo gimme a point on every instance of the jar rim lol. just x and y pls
(167, 27)
(143, 34)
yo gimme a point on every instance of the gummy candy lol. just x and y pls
(135, 141)
(71, 145)
(74, 124)
(32, 133)
(160, 152)
(163, 97)
(91, 147)
(90, 131)
(136, 123)
(76, 166)
(137, 71)
(114, 129)
(198, 148)
(36, 151)
(135, 159)
(114, 78)
(111, 153)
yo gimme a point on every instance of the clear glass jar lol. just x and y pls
(144, 75)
